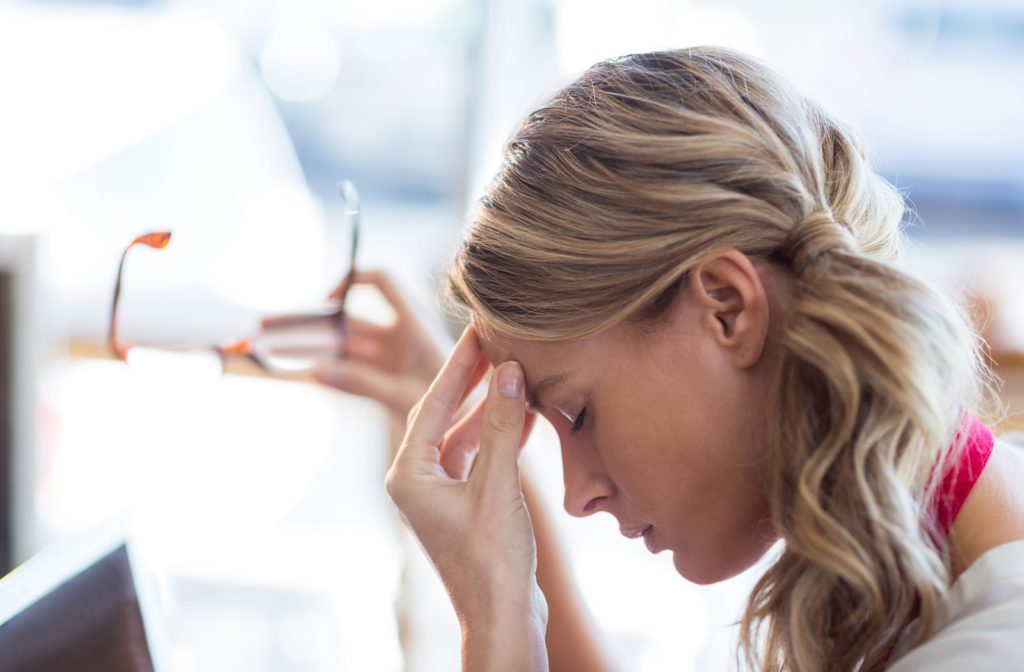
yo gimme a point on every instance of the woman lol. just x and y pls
(686, 267)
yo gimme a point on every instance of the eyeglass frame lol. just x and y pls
(244, 347)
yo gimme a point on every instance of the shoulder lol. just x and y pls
(983, 618)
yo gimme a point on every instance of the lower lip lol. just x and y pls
(649, 539)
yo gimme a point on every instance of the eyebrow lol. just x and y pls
(534, 392)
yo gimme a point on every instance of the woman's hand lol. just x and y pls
(469, 514)
(392, 364)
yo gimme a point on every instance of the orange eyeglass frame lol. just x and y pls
(158, 240)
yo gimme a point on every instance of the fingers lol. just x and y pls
(531, 420)
(397, 393)
(295, 320)
(354, 325)
(366, 349)
(303, 352)
(316, 337)
(385, 284)
(358, 327)
(502, 431)
(433, 415)
(482, 367)
(461, 443)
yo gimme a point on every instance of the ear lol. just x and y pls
(733, 304)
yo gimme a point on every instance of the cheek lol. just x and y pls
(654, 446)
(717, 406)
(679, 437)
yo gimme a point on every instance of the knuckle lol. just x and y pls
(503, 420)
(413, 412)
(389, 482)
(393, 484)
(432, 404)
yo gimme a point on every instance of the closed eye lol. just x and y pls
(577, 425)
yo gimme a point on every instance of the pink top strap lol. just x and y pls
(959, 480)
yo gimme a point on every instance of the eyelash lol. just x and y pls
(577, 425)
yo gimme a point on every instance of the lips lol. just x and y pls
(648, 535)
(633, 532)
(636, 533)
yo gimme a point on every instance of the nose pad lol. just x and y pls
(587, 488)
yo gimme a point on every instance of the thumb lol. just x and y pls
(504, 416)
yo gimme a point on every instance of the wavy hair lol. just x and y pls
(619, 184)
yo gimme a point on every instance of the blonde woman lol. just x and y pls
(687, 268)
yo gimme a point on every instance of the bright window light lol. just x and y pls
(300, 62)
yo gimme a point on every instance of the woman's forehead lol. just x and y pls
(499, 348)
(546, 358)
(543, 368)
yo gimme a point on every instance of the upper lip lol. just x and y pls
(633, 532)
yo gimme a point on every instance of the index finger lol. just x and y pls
(385, 284)
(298, 319)
(434, 413)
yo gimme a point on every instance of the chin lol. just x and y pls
(702, 575)
(706, 571)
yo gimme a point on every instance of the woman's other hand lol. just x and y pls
(393, 363)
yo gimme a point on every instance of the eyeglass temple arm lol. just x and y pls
(115, 347)
(348, 192)
(157, 240)
(243, 348)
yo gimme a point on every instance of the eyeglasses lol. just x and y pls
(295, 344)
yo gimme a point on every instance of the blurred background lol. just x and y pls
(258, 501)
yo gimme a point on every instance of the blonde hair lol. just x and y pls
(610, 193)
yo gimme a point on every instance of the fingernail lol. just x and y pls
(510, 379)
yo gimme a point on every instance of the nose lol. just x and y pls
(588, 489)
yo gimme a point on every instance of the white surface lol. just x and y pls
(983, 623)
(260, 503)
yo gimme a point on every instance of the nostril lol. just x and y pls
(593, 505)
(587, 495)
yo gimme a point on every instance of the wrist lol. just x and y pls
(508, 635)
(507, 603)
(502, 609)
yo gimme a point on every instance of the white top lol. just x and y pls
(981, 623)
